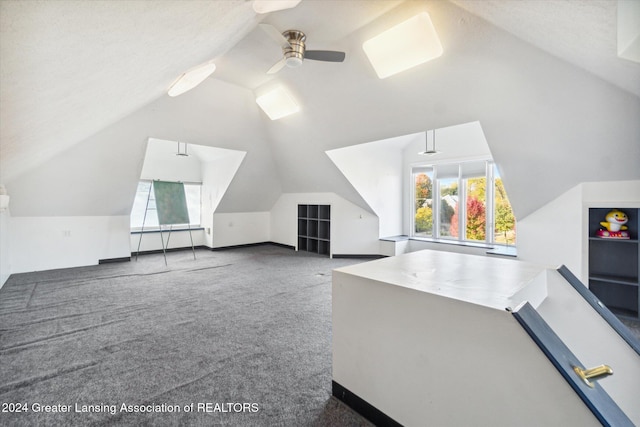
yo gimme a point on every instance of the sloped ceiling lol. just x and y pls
(71, 68)
(99, 175)
(75, 75)
(583, 33)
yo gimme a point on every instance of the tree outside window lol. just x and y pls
(448, 206)
(423, 205)
(505, 221)
(474, 180)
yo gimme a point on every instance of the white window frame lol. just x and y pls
(462, 206)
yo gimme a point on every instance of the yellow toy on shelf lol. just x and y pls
(615, 225)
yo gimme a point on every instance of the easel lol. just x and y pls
(161, 223)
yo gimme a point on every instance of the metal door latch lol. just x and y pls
(593, 374)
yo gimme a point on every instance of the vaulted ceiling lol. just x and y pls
(85, 81)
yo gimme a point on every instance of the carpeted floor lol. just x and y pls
(244, 335)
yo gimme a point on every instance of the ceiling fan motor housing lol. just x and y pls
(294, 54)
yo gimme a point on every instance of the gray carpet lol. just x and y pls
(247, 329)
(249, 326)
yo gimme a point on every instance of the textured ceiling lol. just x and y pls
(582, 32)
(69, 69)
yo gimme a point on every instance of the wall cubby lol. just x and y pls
(614, 264)
(314, 229)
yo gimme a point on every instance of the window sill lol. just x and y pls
(501, 250)
(395, 238)
(157, 230)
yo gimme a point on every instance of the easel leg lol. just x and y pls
(144, 219)
(164, 251)
(191, 237)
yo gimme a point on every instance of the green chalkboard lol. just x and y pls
(171, 202)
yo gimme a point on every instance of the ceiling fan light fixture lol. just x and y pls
(410, 43)
(293, 62)
(294, 50)
(277, 103)
(191, 79)
(266, 6)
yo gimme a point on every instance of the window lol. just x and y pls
(447, 201)
(423, 203)
(462, 202)
(145, 192)
(505, 221)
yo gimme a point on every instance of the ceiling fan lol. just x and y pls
(294, 50)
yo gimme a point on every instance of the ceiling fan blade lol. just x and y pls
(324, 55)
(277, 66)
(266, 6)
(275, 35)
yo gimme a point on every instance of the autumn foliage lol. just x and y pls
(476, 220)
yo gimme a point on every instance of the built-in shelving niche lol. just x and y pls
(614, 264)
(314, 228)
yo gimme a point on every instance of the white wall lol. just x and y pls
(240, 228)
(161, 162)
(5, 253)
(552, 235)
(375, 171)
(42, 243)
(413, 355)
(557, 233)
(217, 174)
(354, 230)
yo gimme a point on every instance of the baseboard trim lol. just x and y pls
(362, 407)
(159, 251)
(360, 256)
(110, 260)
(248, 245)
(219, 248)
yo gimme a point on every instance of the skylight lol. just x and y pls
(404, 46)
(277, 103)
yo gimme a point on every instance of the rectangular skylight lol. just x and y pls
(277, 103)
(404, 46)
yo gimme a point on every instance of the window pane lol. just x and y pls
(423, 213)
(476, 208)
(192, 193)
(448, 206)
(140, 204)
(505, 221)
